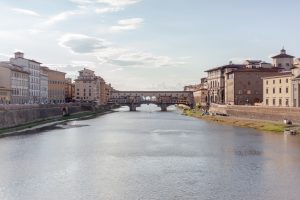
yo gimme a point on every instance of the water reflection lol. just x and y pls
(149, 155)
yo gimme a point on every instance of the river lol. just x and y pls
(149, 155)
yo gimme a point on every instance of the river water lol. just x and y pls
(149, 155)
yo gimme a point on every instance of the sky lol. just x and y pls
(147, 44)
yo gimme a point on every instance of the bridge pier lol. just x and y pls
(132, 107)
(163, 107)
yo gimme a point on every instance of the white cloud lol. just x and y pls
(104, 6)
(4, 56)
(82, 44)
(26, 12)
(117, 69)
(118, 3)
(127, 24)
(107, 53)
(61, 17)
(108, 10)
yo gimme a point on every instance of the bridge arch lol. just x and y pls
(163, 99)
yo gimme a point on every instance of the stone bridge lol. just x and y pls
(163, 99)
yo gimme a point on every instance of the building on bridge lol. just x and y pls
(162, 99)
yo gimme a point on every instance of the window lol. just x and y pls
(286, 80)
(280, 90)
(279, 65)
(267, 82)
(287, 90)
(274, 102)
(287, 102)
(273, 90)
(280, 81)
(280, 102)
(288, 64)
(240, 92)
(267, 91)
(273, 81)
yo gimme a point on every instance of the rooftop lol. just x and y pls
(280, 74)
(226, 66)
(283, 54)
(256, 70)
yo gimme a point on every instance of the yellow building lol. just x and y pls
(56, 85)
(277, 90)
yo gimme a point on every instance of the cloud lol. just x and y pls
(117, 69)
(143, 59)
(107, 53)
(4, 56)
(104, 6)
(127, 24)
(26, 12)
(82, 44)
(61, 17)
(108, 10)
(118, 3)
(73, 67)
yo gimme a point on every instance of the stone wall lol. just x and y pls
(13, 115)
(259, 112)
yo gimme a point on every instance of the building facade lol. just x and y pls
(34, 77)
(278, 90)
(69, 90)
(56, 85)
(5, 94)
(216, 82)
(283, 60)
(296, 83)
(245, 86)
(15, 79)
(87, 86)
(43, 86)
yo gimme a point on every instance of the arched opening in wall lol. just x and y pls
(150, 99)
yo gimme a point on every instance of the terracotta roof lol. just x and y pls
(226, 66)
(283, 55)
(256, 70)
(280, 74)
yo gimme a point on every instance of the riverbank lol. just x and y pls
(48, 123)
(261, 125)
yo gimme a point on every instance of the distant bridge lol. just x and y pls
(163, 99)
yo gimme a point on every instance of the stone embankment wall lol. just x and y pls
(14, 115)
(258, 112)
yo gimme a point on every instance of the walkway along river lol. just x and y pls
(149, 155)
